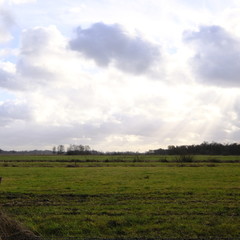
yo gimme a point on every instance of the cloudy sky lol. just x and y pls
(119, 75)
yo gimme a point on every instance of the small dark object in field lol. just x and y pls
(72, 166)
(0, 183)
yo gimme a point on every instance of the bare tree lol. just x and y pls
(54, 150)
(60, 149)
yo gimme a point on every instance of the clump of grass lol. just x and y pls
(211, 165)
(214, 160)
(137, 158)
(163, 160)
(185, 158)
(11, 229)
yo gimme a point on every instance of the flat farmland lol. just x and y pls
(123, 196)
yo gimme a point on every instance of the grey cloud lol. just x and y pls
(7, 80)
(11, 111)
(107, 44)
(38, 74)
(6, 23)
(6, 18)
(35, 40)
(217, 56)
(138, 125)
(91, 133)
(36, 46)
(25, 78)
(4, 76)
(236, 110)
(36, 135)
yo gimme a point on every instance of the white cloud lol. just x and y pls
(21, 1)
(41, 59)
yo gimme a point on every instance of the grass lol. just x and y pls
(111, 161)
(126, 199)
(113, 158)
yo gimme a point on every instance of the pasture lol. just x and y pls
(123, 196)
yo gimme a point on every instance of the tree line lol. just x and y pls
(72, 150)
(204, 148)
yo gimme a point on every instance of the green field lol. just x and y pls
(123, 196)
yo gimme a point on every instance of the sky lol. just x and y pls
(129, 75)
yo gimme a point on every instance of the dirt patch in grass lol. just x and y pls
(12, 230)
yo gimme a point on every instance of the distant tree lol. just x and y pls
(78, 150)
(172, 150)
(87, 149)
(60, 149)
(54, 150)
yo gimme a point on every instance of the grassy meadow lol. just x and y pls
(123, 196)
